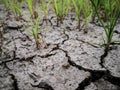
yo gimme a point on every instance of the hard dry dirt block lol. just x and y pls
(83, 54)
(112, 61)
(102, 85)
(6, 83)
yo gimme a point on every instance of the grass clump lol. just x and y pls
(112, 14)
(14, 6)
(87, 12)
(97, 4)
(62, 8)
(78, 9)
(45, 7)
(83, 10)
(32, 8)
(35, 32)
(35, 21)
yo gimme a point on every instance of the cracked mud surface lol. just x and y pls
(71, 60)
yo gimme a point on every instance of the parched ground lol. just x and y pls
(72, 59)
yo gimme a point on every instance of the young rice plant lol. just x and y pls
(14, 6)
(78, 8)
(62, 8)
(87, 12)
(113, 13)
(45, 7)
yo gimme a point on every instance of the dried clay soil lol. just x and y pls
(71, 60)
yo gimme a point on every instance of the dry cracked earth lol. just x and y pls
(72, 60)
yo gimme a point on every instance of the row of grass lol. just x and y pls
(107, 12)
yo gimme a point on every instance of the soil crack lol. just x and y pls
(67, 37)
(87, 43)
(47, 55)
(103, 57)
(15, 84)
(112, 79)
(12, 27)
(43, 85)
(116, 31)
